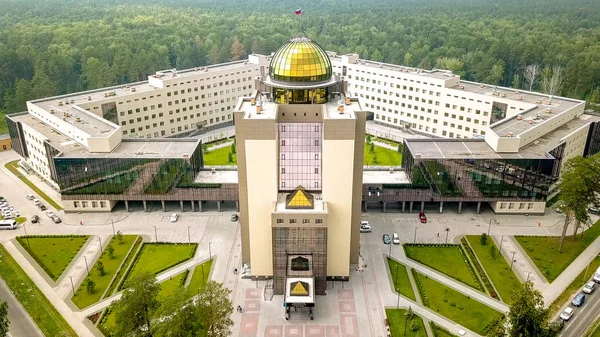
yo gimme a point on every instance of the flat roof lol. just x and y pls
(463, 149)
(143, 148)
(320, 206)
(4, 136)
(217, 177)
(58, 140)
(270, 109)
(385, 177)
(435, 73)
(76, 115)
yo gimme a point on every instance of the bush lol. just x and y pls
(483, 239)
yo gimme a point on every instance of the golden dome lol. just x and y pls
(300, 60)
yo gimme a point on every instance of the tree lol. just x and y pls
(237, 51)
(451, 63)
(230, 157)
(516, 82)
(135, 309)
(579, 186)
(110, 251)
(495, 74)
(90, 285)
(371, 147)
(4, 322)
(527, 316)
(233, 149)
(483, 239)
(120, 237)
(493, 252)
(531, 74)
(97, 73)
(215, 309)
(552, 80)
(100, 268)
(179, 316)
(368, 139)
(400, 148)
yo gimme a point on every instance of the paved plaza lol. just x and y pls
(350, 309)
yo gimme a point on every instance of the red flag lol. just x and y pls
(299, 11)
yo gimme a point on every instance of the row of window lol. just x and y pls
(304, 221)
(513, 205)
(84, 204)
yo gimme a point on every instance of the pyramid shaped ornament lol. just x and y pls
(299, 199)
(299, 289)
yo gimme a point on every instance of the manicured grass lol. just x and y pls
(219, 157)
(543, 250)
(498, 270)
(397, 322)
(82, 298)
(109, 322)
(169, 286)
(126, 265)
(31, 297)
(53, 253)
(385, 157)
(448, 259)
(401, 279)
(440, 332)
(594, 330)
(12, 167)
(454, 305)
(575, 286)
(155, 258)
(198, 281)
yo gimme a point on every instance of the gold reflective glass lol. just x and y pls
(301, 61)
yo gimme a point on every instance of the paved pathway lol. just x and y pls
(522, 264)
(21, 323)
(78, 269)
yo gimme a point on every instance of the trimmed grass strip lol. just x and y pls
(543, 250)
(445, 258)
(219, 157)
(455, 306)
(82, 298)
(169, 286)
(53, 253)
(125, 267)
(199, 277)
(401, 280)
(399, 324)
(504, 279)
(438, 331)
(157, 257)
(575, 286)
(31, 297)
(12, 167)
(385, 156)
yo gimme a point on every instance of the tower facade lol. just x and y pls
(300, 142)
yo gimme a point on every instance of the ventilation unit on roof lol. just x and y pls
(341, 106)
(259, 107)
(348, 100)
(520, 98)
(519, 117)
(77, 119)
(72, 101)
(89, 98)
(539, 101)
(531, 121)
(502, 95)
(510, 134)
(60, 103)
(52, 111)
(133, 89)
(548, 110)
(462, 86)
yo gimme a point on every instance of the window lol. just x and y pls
(305, 220)
(75, 204)
(530, 205)
(279, 220)
(318, 221)
(292, 220)
(511, 205)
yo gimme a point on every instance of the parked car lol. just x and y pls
(566, 314)
(578, 300)
(422, 217)
(395, 239)
(174, 217)
(596, 277)
(365, 227)
(386, 239)
(8, 216)
(593, 210)
(56, 219)
(559, 207)
(589, 287)
(29, 197)
(234, 217)
(2, 199)
(35, 219)
(49, 214)
(36, 202)
(42, 207)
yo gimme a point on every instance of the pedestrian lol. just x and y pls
(80, 223)
(234, 271)
(438, 235)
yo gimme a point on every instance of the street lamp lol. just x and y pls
(155, 234)
(72, 286)
(415, 239)
(100, 242)
(501, 242)
(447, 231)
(26, 236)
(189, 239)
(86, 265)
(512, 260)
(112, 222)
(490, 225)
(209, 253)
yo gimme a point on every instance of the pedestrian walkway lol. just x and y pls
(74, 321)
(575, 268)
(81, 267)
(521, 264)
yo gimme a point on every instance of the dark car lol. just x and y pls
(578, 300)
(42, 207)
(422, 217)
(386, 239)
(234, 217)
(35, 219)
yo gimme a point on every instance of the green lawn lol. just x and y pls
(155, 258)
(12, 167)
(397, 322)
(53, 253)
(448, 259)
(168, 287)
(594, 330)
(575, 286)
(400, 279)
(543, 250)
(116, 284)
(82, 298)
(455, 306)
(440, 332)
(385, 156)
(31, 297)
(198, 281)
(219, 157)
(498, 270)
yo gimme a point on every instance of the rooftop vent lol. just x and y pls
(259, 107)
(462, 86)
(72, 101)
(548, 110)
(77, 119)
(52, 111)
(89, 98)
(531, 121)
(252, 101)
(348, 100)
(133, 89)
(60, 103)
(510, 134)
(213, 170)
(519, 117)
(520, 98)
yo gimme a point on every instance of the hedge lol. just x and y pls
(484, 278)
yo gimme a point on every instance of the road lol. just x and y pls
(21, 324)
(583, 316)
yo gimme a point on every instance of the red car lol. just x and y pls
(422, 217)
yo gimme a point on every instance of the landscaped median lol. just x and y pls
(403, 323)
(456, 306)
(53, 252)
(543, 250)
(496, 267)
(43, 313)
(111, 264)
(448, 259)
(401, 279)
(12, 167)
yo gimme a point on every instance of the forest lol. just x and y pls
(59, 46)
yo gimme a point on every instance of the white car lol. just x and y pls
(50, 214)
(29, 197)
(589, 287)
(36, 202)
(365, 227)
(174, 217)
(566, 314)
(395, 239)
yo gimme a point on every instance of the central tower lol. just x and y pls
(300, 141)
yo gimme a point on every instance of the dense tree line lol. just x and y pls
(60, 46)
